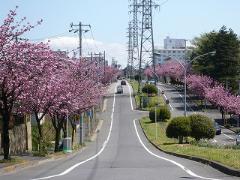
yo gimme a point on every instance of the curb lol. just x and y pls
(222, 168)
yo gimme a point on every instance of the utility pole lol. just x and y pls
(80, 29)
(104, 62)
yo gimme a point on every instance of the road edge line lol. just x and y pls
(188, 171)
(216, 165)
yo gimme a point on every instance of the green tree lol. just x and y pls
(202, 127)
(162, 114)
(179, 127)
(225, 65)
(150, 89)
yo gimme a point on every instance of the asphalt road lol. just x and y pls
(176, 99)
(121, 152)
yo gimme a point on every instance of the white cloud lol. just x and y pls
(66, 43)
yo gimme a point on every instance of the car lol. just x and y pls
(238, 139)
(152, 82)
(123, 82)
(217, 128)
(119, 89)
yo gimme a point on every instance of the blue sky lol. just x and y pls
(109, 19)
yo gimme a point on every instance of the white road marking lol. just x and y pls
(214, 141)
(91, 158)
(228, 136)
(130, 94)
(169, 160)
(165, 96)
(166, 99)
(171, 106)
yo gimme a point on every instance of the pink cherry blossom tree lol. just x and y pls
(16, 70)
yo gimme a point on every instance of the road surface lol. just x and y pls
(121, 152)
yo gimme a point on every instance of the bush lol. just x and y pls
(152, 114)
(163, 114)
(150, 89)
(179, 128)
(202, 127)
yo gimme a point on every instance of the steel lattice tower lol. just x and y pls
(147, 41)
(134, 13)
(130, 51)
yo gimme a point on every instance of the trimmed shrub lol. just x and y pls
(150, 89)
(179, 128)
(163, 114)
(202, 127)
(152, 114)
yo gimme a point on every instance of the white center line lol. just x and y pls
(228, 136)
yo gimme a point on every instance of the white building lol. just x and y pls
(170, 43)
(173, 49)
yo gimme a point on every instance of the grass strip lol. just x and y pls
(228, 157)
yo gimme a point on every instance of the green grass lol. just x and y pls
(153, 101)
(134, 84)
(226, 156)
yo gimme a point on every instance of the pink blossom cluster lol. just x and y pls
(36, 79)
(171, 69)
(214, 92)
(201, 85)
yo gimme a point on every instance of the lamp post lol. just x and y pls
(212, 53)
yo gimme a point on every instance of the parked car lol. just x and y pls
(238, 139)
(119, 89)
(123, 82)
(217, 128)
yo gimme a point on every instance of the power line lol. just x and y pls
(49, 37)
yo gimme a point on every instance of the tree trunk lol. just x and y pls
(40, 137)
(58, 125)
(64, 129)
(73, 136)
(57, 138)
(180, 139)
(5, 134)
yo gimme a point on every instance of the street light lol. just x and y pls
(212, 53)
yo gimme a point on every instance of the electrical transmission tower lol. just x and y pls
(147, 40)
(143, 50)
(134, 35)
(130, 51)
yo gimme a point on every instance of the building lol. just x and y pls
(170, 43)
(173, 49)
(163, 54)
